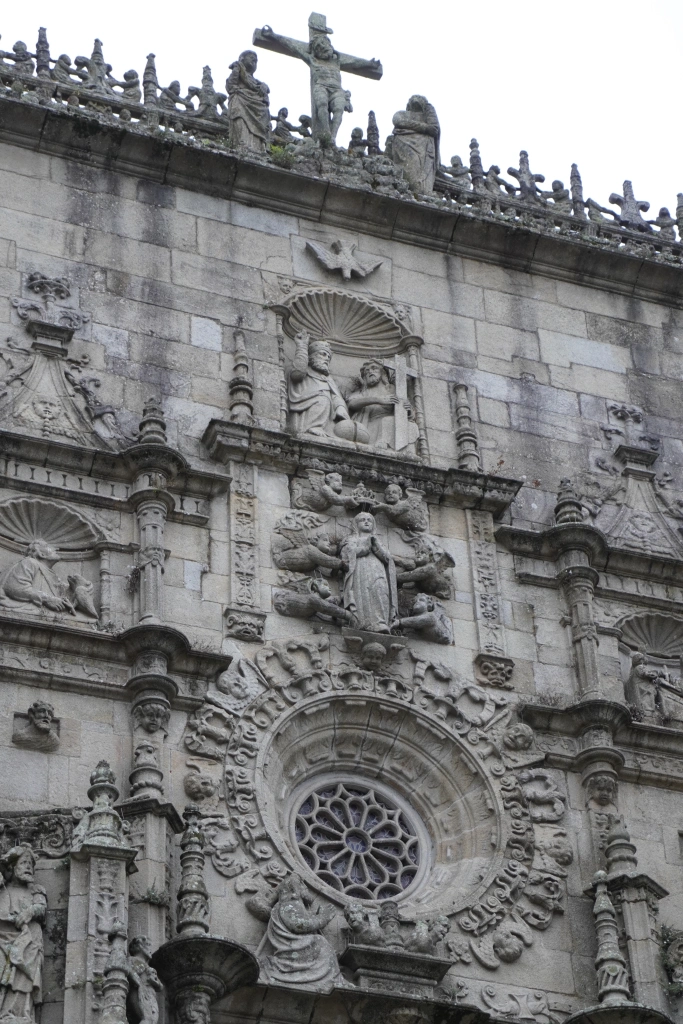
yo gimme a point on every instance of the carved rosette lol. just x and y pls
(448, 751)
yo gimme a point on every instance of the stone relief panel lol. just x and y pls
(377, 571)
(330, 394)
(48, 533)
(422, 790)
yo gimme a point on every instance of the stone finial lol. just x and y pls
(102, 825)
(373, 135)
(150, 82)
(613, 984)
(476, 168)
(465, 435)
(620, 852)
(193, 898)
(42, 55)
(240, 386)
(576, 186)
(568, 508)
(152, 424)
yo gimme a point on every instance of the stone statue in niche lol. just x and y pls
(316, 405)
(40, 730)
(23, 906)
(414, 145)
(32, 580)
(373, 404)
(295, 951)
(369, 589)
(248, 110)
(143, 982)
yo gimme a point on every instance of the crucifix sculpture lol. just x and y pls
(328, 99)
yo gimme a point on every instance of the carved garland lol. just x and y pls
(278, 724)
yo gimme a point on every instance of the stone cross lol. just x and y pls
(401, 372)
(328, 99)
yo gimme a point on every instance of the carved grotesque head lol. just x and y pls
(518, 737)
(355, 915)
(439, 928)
(321, 588)
(602, 788)
(18, 864)
(151, 716)
(199, 786)
(192, 1007)
(41, 715)
(559, 848)
(334, 482)
(283, 114)
(140, 946)
(43, 551)
(393, 494)
(320, 356)
(372, 657)
(423, 603)
(507, 945)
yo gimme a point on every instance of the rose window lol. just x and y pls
(358, 841)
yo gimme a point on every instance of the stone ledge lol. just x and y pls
(227, 441)
(170, 161)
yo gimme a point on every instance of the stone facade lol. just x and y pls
(341, 570)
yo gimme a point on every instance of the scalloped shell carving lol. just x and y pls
(351, 323)
(25, 519)
(660, 635)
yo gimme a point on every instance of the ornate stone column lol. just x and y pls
(636, 899)
(101, 860)
(198, 969)
(414, 360)
(610, 966)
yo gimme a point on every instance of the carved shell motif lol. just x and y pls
(23, 520)
(659, 635)
(353, 325)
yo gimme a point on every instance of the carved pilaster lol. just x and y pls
(637, 898)
(240, 386)
(101, 859)
(193, 898)
(492, 665)
(414, 361)
(154, 465)
(613, 988)
(244, 583)
(115, 980)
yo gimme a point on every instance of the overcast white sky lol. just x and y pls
(596, 82)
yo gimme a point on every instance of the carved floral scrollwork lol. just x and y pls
(287, 716)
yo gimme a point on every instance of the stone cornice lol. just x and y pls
(227, 442)
(547, 545)
(176, 161)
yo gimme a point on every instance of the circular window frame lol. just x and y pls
(424, 839)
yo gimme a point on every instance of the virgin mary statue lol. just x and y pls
(369, 577)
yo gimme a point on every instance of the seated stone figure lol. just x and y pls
(32, 580)
(372, 405)
(316, 405)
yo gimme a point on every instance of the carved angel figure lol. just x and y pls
(23, 905)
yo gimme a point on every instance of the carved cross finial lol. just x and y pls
(476, 168)
(632, 209)
(613, 987)
(576, 185)
(528, 182)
